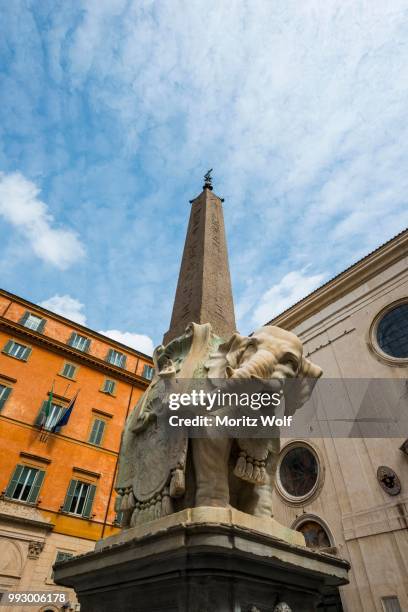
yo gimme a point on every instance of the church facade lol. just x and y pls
(353, 495)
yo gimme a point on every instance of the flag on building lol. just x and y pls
(65, 417)
(47, 408)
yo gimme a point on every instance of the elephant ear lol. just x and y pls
(227, 355)
(301, 388)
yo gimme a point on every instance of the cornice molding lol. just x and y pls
(37, 458)
(72, 324)
(56, 346)
(60, 436)
(102, 413)
(373, 264)
(8, 379)
(85, 472)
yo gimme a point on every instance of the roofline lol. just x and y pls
(370, 265)
(87, 330)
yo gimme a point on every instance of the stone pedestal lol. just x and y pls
(202, 560)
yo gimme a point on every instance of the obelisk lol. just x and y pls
(204, 293)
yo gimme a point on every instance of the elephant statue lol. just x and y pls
(159, 474)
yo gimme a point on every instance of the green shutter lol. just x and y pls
(14, 481)
(26, 353)
(24, 318)
(124, 361)
(4, 397)
(40, 420)
(101, 427)
(8, 346)
(70, 495)
(41, 326)
(93, 431)
(35, 489)
(89, 501)
(87, 345)
(109, 355)
(97, 431)
(71, 339)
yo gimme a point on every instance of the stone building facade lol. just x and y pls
(354, 326)
(56, 487)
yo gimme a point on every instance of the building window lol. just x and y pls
(68, 370)
(392, 332)
(391, 604)
(96, 435)
(48, 421)
(109, 386)
(60, 558)
(79, 342)
(4, 394)
(79, 499)
(116, 358)
(25, 484)
(19, 351)
(315, 534)
(148, 372)
(298, 472)
(32, 321)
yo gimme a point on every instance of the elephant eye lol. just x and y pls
(290, 360)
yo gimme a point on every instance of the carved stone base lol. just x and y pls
(199, 560)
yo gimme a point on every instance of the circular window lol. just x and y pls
(315, 535)
(298, 472)
(392, 332)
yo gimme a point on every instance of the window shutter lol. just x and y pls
(35, 489)
(109, 356)
(99, 434)
(8, 346)
(4, 397)
(41, 326)
(97, 431)
(69, 495)
(89, 501)
(14, 481)
(26, 354)
(71, 339)
(123, 361)
(24, 318)
(87, 345)
(93, 432)
(41, 415)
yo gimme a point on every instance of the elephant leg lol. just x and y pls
(257, 500)
(210, 458)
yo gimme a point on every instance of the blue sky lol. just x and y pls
(112, 110)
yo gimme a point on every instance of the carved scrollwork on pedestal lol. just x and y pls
(282, 607)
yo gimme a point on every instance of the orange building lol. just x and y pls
(56, 484)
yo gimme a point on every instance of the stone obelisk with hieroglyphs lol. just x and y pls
(204, 293)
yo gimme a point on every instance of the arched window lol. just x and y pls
(315, 535)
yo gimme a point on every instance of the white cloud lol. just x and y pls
(73, 309)
(21, 207)
(140, 342)
(293, 287)
(66, 306)
(301, 108)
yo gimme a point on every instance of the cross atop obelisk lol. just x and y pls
(204, 293)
